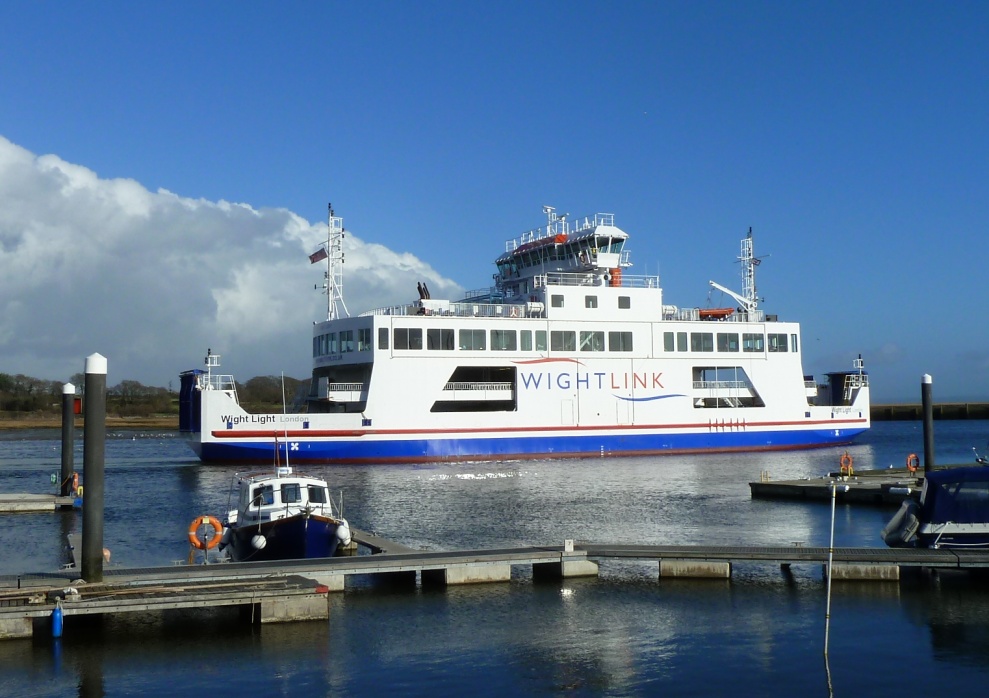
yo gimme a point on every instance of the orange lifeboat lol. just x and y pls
(715, 313)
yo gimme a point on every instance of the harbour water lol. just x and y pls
(624, 633)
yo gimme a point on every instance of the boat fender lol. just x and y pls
(901, 531)
(258, 542)
(213, 539)
(913, 462)
(343, 532)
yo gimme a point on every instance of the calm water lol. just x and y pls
(625, 633)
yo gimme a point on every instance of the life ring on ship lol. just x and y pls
(913, 462)
(513, 311)
(213, 540)
(846, 464)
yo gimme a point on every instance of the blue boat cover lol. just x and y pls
(960, 495)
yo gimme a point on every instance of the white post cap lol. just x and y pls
(96, 363)
(68, 389)
(926, 378)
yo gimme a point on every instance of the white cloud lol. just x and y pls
(151, 279)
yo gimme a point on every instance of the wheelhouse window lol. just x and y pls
(364, 339)
(347, 340)
(556, 300)
(681, 341)
(793, 343)
(624, 302)
(317, 494)
(525, 340)
(401, 337)
(669, 341)
(540, 340)
(590, 301)
(382, 338)
(291, 493)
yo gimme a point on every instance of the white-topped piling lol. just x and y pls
(927, 404)
(68, 439)
(93, 451)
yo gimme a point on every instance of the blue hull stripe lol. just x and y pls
(550, 446)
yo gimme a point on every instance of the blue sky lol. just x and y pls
(172, 164)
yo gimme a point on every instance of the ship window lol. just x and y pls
(540, 340)
(437, 338)
(753, 342)
(364, 339)
(701, 341)
(622, 341)
(777, 342)
(316, 343)
(793, 343)
(668, 341)
(624, 302)
(317, 494)
(525, 340)
(347, 340)
(592, 341)
(681, 341)
(590, 301)
(415, 338)
(472, 340)
(401, 337)
(382, 338)
(503, 340)
(556, 300)
(291, 493)
(331, 343)
(263, 495)
(727, 341)
(563, 340)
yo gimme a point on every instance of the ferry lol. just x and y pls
(567, 355)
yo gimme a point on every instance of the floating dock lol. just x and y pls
(296, 590)
(880, 487)
(31, 503)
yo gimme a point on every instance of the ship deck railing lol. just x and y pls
(671, 312)
(216, 381)
(506, 310)
(569, 278)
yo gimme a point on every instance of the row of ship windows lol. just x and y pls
(728, 342)
(535, 340)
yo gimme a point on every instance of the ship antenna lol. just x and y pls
(334, 267)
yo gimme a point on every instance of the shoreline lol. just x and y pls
(171, 423)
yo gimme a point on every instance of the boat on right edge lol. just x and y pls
(952, 512)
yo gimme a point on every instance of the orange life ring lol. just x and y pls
(912, 462)
(210, 542)
(846, 463)
(75, 482)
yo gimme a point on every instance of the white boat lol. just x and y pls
(282, 516)
(567, 355)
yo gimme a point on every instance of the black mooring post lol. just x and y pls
(93, 450)
(928, 407)
(68, 438)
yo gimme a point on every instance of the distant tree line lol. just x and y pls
(22, 396)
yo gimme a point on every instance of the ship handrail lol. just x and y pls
(709, 385)
(487, 310)
(477, 386)
(344, 387)
(569, 278)
(560, 226)
(216, 381)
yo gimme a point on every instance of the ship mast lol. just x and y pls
(748, 299)
(333, 285)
